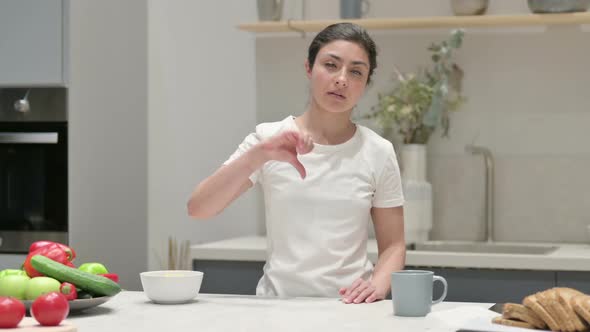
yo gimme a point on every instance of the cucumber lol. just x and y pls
(93, 283)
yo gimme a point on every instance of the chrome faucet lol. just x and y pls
(489, 194)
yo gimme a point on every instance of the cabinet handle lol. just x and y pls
(28, 138)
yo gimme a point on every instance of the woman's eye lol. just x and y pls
(330, 65)
(357, 73)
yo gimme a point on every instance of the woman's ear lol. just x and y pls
(307, 68)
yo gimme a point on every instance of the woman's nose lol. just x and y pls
(341, 81)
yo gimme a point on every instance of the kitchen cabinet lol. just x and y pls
(574, 279)
(465, 285)
(229, 277)
(32, 42)
(492, 286)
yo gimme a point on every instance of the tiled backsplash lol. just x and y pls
(46, 104)
(537, 198)
(527, 102)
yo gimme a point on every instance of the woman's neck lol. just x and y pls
(325, 127)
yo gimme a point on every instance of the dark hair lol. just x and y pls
(344, 31)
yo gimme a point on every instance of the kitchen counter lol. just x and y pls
(568, 257)
(133, 311)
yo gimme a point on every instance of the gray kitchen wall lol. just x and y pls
(108, 135)
(527, 102)
(201, 105)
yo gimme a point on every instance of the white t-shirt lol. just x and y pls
(317, 226)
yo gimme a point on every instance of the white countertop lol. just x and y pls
(133, 311)
(568, 257)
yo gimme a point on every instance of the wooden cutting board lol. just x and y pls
(29, 324)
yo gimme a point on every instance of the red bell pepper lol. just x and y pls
(113, 276)
(53, 251)
(40, 244)
(69, 290)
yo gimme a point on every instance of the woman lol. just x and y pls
(323, 178)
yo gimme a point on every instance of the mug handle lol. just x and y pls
(365, 9)
(444, 294)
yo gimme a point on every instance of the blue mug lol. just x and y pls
(354, 8)
(411, 292)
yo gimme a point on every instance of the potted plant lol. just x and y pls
(415, 107)
(418, 102)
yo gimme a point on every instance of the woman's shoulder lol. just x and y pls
(268, 129)
(373, 140)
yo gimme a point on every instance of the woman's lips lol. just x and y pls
(337, 95)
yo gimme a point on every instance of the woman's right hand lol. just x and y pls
(286, 146)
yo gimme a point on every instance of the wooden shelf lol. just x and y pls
(424, 22)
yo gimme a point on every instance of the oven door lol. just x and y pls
(33, 184)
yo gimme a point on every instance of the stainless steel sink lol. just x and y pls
(482, 247)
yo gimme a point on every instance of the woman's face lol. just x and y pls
(339, 75)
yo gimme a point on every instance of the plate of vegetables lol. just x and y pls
(49, 268)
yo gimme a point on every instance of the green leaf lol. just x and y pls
(456, 39)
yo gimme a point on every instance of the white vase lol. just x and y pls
(417, 193)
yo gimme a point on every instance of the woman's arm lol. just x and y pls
(389, 231)
(217, 191)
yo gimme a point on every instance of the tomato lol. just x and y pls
(12, 312)
(50, 309)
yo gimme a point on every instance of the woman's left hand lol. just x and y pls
(361, 291)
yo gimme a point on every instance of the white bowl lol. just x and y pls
(171, 286)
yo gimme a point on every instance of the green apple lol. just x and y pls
(94, 268)
(41, 285)
(14, 286)
(10, 272)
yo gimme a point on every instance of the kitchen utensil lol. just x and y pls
(171, 286)
(469, 7)
(354, 8)
(270, 10)
(498, 307)
(22, 105)
(411, 292)
(558, 6)
(29, 324)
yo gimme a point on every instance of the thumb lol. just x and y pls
(298, 166)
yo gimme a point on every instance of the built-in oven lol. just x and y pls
(33, 184)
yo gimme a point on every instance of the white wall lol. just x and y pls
(108, 134)
(201, 106)
(527, 102)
